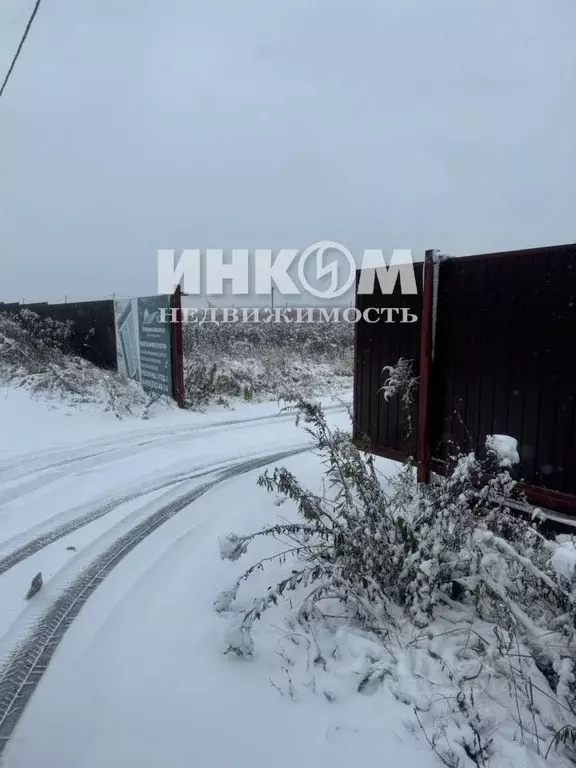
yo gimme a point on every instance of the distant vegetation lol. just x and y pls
(249, 360)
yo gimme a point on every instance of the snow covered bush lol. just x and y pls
(400, 381)
(44, 334)
(504, 449)
(35, 355)
(474, 620)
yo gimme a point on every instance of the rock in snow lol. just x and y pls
(35, 586)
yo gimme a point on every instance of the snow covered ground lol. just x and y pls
(119, 658)
(139, 674)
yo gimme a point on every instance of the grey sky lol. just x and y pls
(133, 125)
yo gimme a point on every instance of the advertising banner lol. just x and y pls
(143, 343)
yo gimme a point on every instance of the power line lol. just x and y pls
(22, 41)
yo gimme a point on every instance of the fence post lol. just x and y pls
(356, 382)
(423, 448)
(177, 351)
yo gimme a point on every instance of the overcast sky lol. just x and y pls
(133, 125)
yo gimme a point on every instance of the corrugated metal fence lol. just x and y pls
(503, 362)
(384, 425)
(93, 332)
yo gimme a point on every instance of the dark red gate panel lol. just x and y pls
(504, 360)
(383, 424)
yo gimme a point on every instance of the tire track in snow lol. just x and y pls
(74, 454)
(125, 447)
(29, 661)
(33, 545)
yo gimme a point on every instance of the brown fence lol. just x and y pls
(501, 334)
(378, 344)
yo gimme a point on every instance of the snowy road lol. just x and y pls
(124, 527)
(119, 658)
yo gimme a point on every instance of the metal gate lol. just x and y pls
(497, 355)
